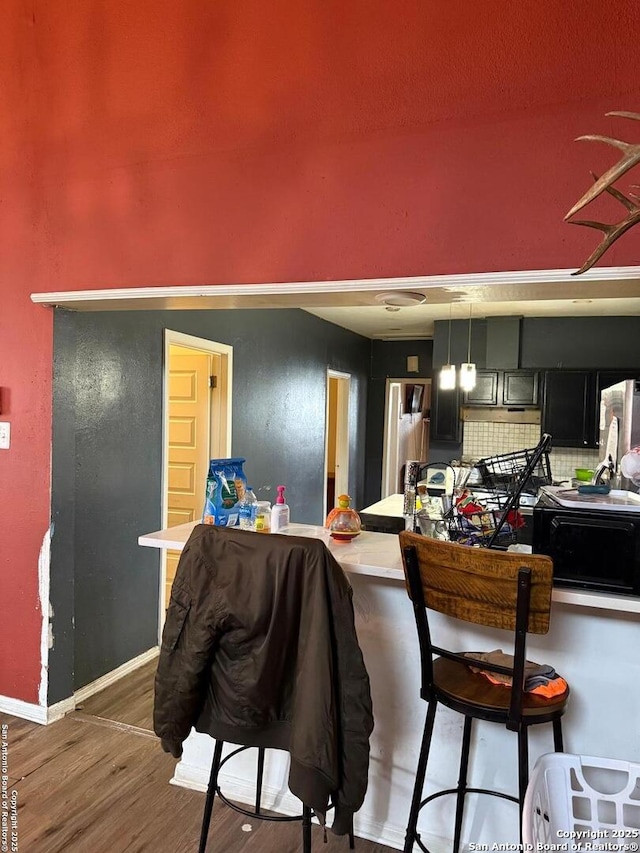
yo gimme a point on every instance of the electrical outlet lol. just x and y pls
(5, 435)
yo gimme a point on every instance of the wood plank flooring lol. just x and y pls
(98, 782)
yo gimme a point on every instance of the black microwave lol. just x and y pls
(590, 549)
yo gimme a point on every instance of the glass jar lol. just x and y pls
(343, 522)
(263, 517)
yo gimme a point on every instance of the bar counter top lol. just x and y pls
(378, 555)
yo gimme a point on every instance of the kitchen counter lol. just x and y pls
(378, 555)
(374, 554)
(592, 642)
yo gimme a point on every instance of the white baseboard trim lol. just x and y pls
(60, 709)
(115, 675)
(390, 834)
(25, 710)
(43, 715)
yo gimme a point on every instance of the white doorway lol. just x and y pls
(406, 429)
(336, 453)
(196, 428)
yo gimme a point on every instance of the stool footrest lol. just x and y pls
(252, 812)
(447, 791)
(468, 791)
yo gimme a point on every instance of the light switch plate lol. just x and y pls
(5, 435)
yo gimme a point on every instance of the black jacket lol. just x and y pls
(259, 648)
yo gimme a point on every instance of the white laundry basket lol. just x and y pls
(571, 794)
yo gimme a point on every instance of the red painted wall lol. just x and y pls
(158, 142)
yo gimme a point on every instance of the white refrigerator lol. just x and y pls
(620, 424)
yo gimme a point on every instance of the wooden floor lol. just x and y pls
(98, 782)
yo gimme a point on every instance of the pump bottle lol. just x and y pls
(279, 512)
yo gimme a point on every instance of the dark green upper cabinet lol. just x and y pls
(445, 422)
(504, 388)
(486, 391)
(605, 378)
(520, 388)
(569, 407)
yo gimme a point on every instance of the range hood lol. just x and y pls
(501, 414)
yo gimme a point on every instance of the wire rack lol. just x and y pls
(505, 476)
(493, 521)
(507, 471)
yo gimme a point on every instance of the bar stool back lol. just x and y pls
(498, 590)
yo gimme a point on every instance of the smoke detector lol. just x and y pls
(401, 298)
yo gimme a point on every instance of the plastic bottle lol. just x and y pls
(279, 512)
(263, 517)
(247, 510)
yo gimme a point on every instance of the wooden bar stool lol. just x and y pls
(498, 590)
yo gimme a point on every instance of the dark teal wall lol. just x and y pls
(107, 456)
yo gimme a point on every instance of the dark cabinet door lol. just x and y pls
(520, 388)
(486, 391)
(605, 378)
(569, 408)
(445, 416)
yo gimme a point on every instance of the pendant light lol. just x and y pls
(447, 378)
(467, 368)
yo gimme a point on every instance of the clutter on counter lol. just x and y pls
(230, 502)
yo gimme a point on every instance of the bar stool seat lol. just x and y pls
(465, 691)
(498, 590)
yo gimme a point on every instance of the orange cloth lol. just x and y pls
(553, 687)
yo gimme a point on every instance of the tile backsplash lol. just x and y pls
(565, 460)
(487, 438)
(482, 439)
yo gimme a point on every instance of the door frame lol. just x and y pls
(343, 427)
(394, 409)
(202, 345)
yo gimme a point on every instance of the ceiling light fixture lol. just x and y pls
(468, 368)
(401, 298)
(447, 378)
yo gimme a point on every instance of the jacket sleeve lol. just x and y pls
(355, 709)
(188, 641)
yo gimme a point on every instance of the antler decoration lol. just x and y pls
(630, 158)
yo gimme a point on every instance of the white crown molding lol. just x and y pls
(487, 279)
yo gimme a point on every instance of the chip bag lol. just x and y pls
(226, 485)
